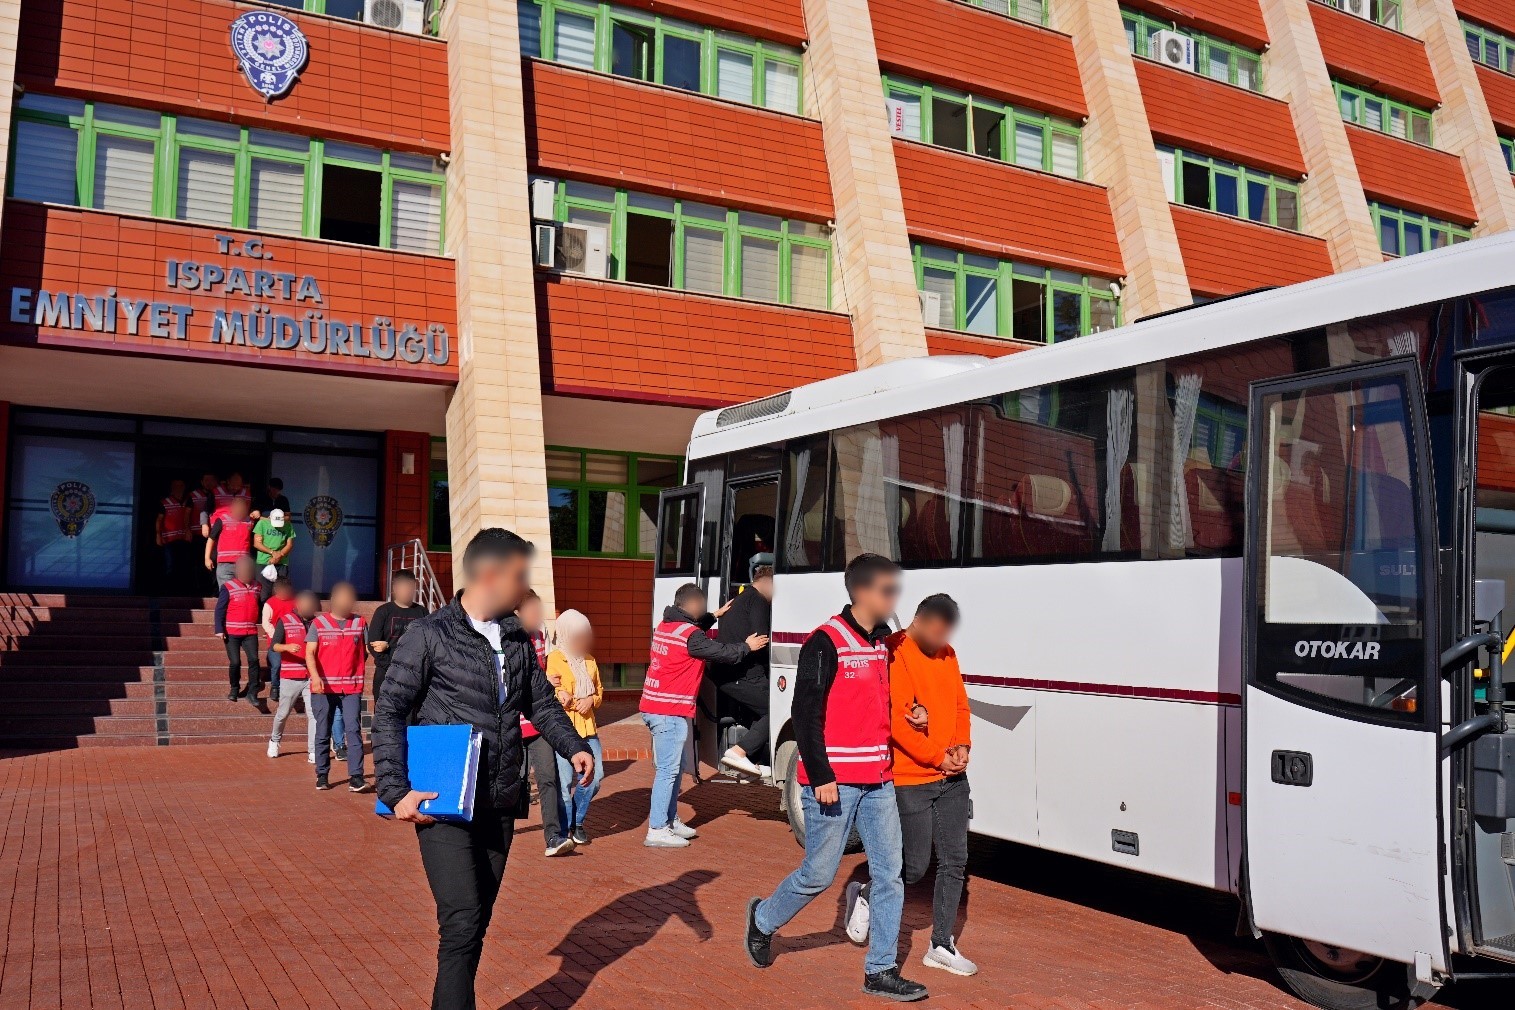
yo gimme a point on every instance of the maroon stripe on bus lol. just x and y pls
(1111, 690)
(789, 637)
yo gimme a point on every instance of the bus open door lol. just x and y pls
(1342, 783)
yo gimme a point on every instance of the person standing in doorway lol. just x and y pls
(334, 657)
(680, 649)
(746, 683)
(231, 488)
(841, 723)
(577, 678)
(231, 539)
(470, 662)
(273, 539)
(202, 502)
(274, 497)
(289, 638)
(174, 535)
(275, 606)
(236, 624)
(930, 774)
(389, 623)
(539, 753)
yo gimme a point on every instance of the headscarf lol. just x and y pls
(571, 624)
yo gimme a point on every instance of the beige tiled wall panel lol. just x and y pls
(1119, 154)
(10, 26)
(871, 242)
(1331, 199)
(495, 454)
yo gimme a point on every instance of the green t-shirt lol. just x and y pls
(273, 538)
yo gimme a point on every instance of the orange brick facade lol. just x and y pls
(616, 596)
(1224, 255)
(1375, 57)
(1199, 114)
(1411, 176)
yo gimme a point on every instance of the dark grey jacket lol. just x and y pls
(443, 673)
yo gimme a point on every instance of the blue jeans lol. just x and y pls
(575, 797)
(338, 727)
(871, 809)
(669, 732)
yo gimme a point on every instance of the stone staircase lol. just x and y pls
(94, 670)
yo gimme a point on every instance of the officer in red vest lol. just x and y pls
(174, 531)
(289, 636)
(202, 502)
(231, 538)
(335, 656)
(281, 602)
(238, 605)
(680, 649)
(841, 724)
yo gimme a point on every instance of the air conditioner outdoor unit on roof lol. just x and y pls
(1173, 49)
(401, 15)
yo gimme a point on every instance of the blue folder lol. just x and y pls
(443, 760)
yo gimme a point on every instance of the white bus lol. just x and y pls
(1229, 579)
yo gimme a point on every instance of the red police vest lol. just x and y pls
(539, 645)
(673, 675)
(235, 540)
(224, 496)
(241, 607)
(857, 710)
(292, 665)
(175, 521)
(339, 652)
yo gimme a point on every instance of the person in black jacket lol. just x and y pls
(746, 682)
(470, 662)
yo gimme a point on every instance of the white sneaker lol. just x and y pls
(948, 959)
(857, 913)
(664, 838)
(273, 749)
(683, 830)
(310, 758)
(739, 762)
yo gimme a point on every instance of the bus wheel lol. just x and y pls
(794, 807)
(1335, 978)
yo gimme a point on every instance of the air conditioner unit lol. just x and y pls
(582, 250)
(545, 239)
(401, 15)
(931, 308)
(1358, 8)
(1173, 49)
(543, 195)
(1167, 164)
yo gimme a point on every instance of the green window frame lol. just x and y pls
(1406, 232)
(1383, 114)
(1214, 58)
(1033, 11)
(438, 499)
(239, 152)
(1491, 48)
(582, 485)
(1385, 12)
(352, 10)
(990, 128)
(763, 257)
(1507, 146)
(618, 40)
(1225, 187)
(991, 297)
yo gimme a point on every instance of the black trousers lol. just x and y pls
(935, 815)
(752, 696)
(238, 646)
(544, 764)
(464, 866)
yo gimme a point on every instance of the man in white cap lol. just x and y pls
(273, 539)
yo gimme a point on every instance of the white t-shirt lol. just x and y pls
(491, 631)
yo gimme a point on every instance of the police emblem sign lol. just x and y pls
(271, 49)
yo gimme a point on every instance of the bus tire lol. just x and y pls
(1362, 982)
(791, 803)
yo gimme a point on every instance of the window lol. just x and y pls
(662, 50)
(700, 247)
(804, 485)
(1385, 12)
(991, 129)
(997, 298)
(606, 503)
(439, 514)
(1034, 11)
(1382, 114)
(1489, 47)
(134, 161)
(1211, 184)
(1405, 232)
(1214, 57)
(352, 10)
(1507, 146)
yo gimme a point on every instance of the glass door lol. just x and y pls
(69, 518)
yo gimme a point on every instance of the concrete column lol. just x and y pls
(1120, 154)
(496, 464)
(1331, 199)
(10, 27)
(872, 245)
(1463, 124)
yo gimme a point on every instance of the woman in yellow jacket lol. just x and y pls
(573, 669)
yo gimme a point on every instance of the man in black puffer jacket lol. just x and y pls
(470, 662)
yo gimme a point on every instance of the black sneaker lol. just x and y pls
(559, 846)
(233, 694)
(579, 835)
(341, 754)
(358, 784)
(890, 984)
(274, 697)
(321, 782)
(759, 943)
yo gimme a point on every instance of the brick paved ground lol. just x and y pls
(213, 877)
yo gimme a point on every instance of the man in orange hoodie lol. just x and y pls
(930, 773)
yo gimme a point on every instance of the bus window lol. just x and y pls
(678, 535)
(806, 465)
(1495, 483)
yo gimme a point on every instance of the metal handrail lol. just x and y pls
(412, 555)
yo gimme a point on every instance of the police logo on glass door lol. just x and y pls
(72, 503)
(271, 49)
(323, 517)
